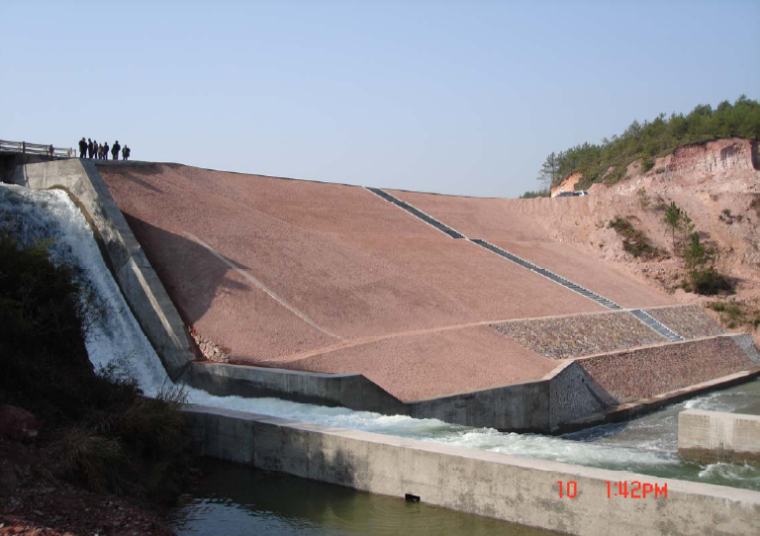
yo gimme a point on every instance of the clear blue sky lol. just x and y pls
(463, 97)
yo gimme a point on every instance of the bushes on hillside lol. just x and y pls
(108, 436)
(635, 241)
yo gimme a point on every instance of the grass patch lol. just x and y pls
(108, 436)
(736, 315)
(635, 241)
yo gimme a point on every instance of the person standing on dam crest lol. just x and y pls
(82, 148)
(125, 152)
(89, 148)
(105, 151)
(115, 150)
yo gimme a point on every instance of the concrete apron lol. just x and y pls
(548, 495)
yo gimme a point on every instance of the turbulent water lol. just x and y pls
(646, 445)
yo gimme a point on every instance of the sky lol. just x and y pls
(457, 97)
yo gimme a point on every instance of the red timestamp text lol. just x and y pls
(624, 489)
(636, 490)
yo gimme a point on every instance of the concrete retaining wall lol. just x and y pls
(714, 436)
(138, 281)
(349, 390)
(513, 489)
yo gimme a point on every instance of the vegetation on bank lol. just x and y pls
(609, 160)
(533, 194)
(635, 241)
(736, 315)
(108, 437)
(699, 260)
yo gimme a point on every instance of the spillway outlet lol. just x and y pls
(412, 498)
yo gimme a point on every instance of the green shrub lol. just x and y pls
(755, 205)
(708, 282)
(696, 254)
(644, 200)
(107, 435)
(635, 241)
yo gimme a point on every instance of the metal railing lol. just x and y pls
(36, 148)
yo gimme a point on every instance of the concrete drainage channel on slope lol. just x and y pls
(660, 328)
(640, 315)
(586, 293)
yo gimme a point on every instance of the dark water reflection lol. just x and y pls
(234, 500)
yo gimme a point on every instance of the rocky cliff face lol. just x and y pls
(716, 183)
(722, 156)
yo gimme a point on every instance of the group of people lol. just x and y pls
(92, 149)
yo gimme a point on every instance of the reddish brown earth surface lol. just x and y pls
(36, 501)
(332, 278)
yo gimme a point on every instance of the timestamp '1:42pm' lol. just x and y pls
(636, 490)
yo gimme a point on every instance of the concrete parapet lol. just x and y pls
(138, 281)
(518, 490)
(714, 436)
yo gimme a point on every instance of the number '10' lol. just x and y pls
(569, 490)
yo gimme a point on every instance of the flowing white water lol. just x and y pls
(645, 445)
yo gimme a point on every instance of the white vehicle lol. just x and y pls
(579, 193)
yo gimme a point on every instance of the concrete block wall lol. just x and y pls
(518, 490)
(714, 436)
(574, 394)
(646, 372)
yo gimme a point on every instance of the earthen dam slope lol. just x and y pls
(427, 296)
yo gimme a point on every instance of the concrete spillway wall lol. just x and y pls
(513, 489)
(139, 283)
(714, 436)
(570, 397)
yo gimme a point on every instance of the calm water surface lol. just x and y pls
(233, 500)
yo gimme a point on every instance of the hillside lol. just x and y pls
(641, 144)
(717, 183)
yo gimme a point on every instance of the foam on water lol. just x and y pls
(645, 445)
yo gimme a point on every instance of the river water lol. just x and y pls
(645, 445)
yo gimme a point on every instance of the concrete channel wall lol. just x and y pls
(138, 281)
(714, 436)
(509, 488)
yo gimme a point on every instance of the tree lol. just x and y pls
(678, 220)
(549, 175)
(695, 254)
